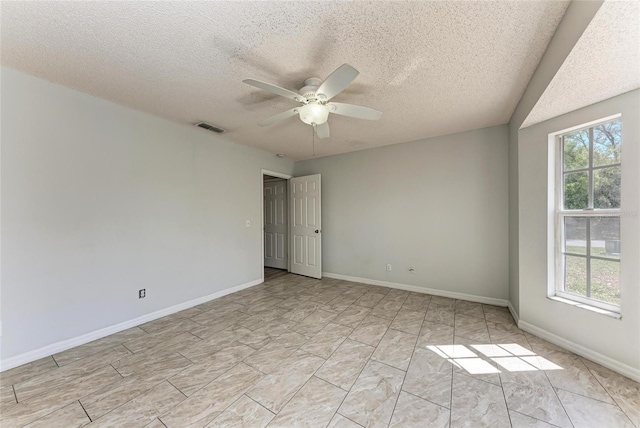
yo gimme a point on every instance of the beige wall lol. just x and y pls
(438, 205)
(99, 200)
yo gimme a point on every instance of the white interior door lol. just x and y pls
(306, 226)
(275, 224)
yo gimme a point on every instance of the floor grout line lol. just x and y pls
(85, 411)
(532, 417)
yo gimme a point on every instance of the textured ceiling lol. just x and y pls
(433, 68)
(604, 63)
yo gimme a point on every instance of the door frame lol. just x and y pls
(264, 172)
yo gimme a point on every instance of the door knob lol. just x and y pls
(317, 231)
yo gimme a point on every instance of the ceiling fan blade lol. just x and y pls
(278, 117)
(352, 110)
(323, 130)
(336, 82)
(274, 89)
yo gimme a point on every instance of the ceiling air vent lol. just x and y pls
(210, 127)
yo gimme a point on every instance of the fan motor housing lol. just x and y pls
(310, 87)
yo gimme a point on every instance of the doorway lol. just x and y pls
(291, 220)
(275, 223)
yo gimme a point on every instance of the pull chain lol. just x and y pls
(313, 131)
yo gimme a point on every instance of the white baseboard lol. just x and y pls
(603, 360)
(417, 289)
(54, 348)
(514, 314)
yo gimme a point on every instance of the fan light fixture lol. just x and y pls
(314, 114)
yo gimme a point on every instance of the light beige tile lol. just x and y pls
(472, 328)
(327, 340)
(260, 305)
(346, 363)
(429, 377)
(302, 311)
(443, 301)
(340, 421)
(408, 321)
(414, 412)
(41, 405)
(314, 405)
(258, 320)
(198, 351)
(417, 302)
(168, 324)
(27, 371)
(143, 409)
(477, 404)
(151, 340)
(395, 349)
(440, 314)
(339, 304)
(278, 350)
(314, 322)
(198, 375)
(373, 397)
(269, 330)
(386, 310)
(155, 424)
(518, 420)
(70, 416)
(371, 330)
(585, 412)
(243, 413)
(497, 314)
(575, 377)
(152, 371)
(7, 396)
(276, 389)
(54, 379)
(530, 393)
(624, 391)
(435, 334)
(369, 300)
(472, 309)
(208, 403)
(149, 365)
(352, 316)
(82, 351)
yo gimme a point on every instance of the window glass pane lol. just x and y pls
(607, 139)
(576, 150)
(605, 281)
(575, 275)
(606, 187)
(576, 190)
(575, 235)
(605, 237)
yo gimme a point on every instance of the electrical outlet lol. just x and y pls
(142, 293)
(389, 267)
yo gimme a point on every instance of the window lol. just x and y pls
(588, 215)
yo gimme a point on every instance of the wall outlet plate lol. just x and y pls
(389, 267)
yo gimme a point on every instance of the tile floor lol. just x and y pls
(296, 352)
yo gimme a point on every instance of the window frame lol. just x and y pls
(560, 214)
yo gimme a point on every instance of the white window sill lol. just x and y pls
(585, 306)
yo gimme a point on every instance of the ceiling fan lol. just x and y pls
(315, 96)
